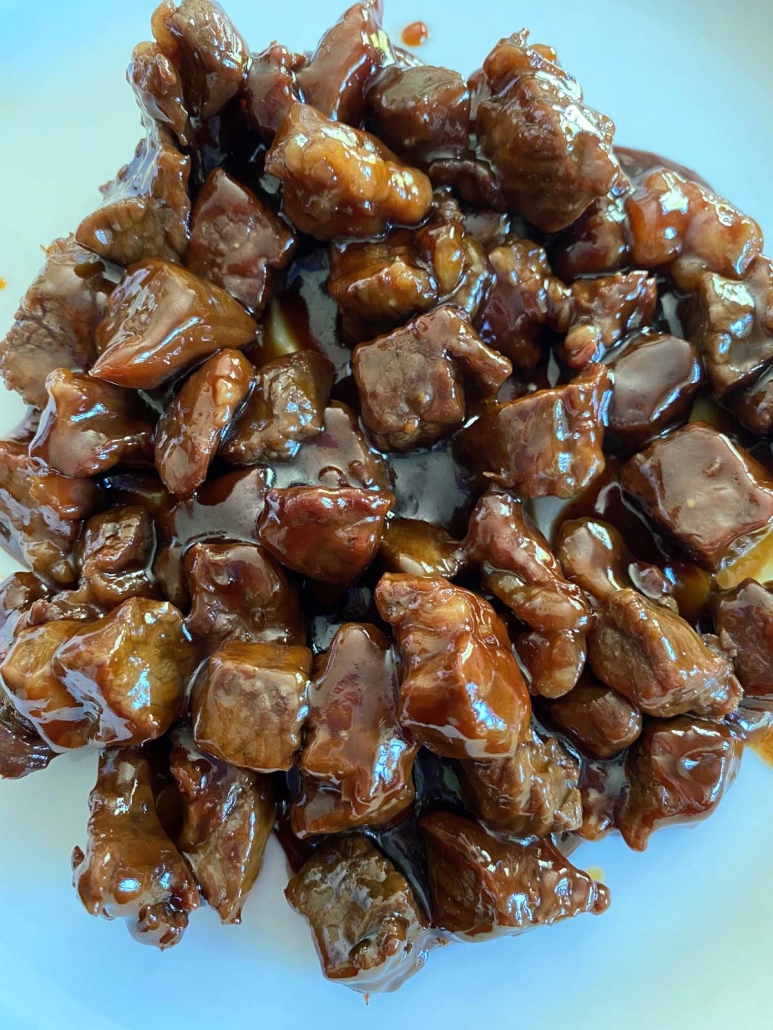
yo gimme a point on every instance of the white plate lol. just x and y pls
(688, 938)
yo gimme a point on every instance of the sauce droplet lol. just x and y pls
(415, 34)
(3, 283)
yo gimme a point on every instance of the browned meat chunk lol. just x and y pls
(87, 427)
(227, 508)
(191, 428)
(117, 551)
(654, 380)
(653, 657)
(37, 691)
(331, 535)
(145, 209)
(54, 326)
(485, 886)
(678, 771)
(680, 224)
(705, 490)
(40, 513)
(594, 555)
(603, 788)
(228, 814)
(340, 181)
(22, 750)
(131, 869)
(412, 383)
(519, 567)
(160, 320)
(602, 311)
(271, 88)
(553, 154)
(210, 55)
(599, 241)
(423, 112)
(599, 721)
(462, 694)
(554, 661)
(237, 242)
(548, 442)
(368, 928)
(238, 592)
(744, 616)
(348, 56)
(339, 456)
(525, 299)
(753, 405)
(356, 760)
(286, 407)
(732, 322)
(533, 793)
(249, 704)
(419, 549)
(18, 593)
(159, 89)
(128, 670)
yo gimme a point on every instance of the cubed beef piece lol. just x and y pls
(753, 405)
(599, 721)
(191, 428)
(347, 58)
(131, 869)
(286, 407)
(18, 593)
(271, 88)
(340, 181)
(226, 508)
(37, 690)
(237, 242)
(368, 928)
(553, 154)
(546, 443)
(146, 209)
(162, 319)
(679, 224)
(356, 760)
(594, 555)
(526, 298)
(211, 56)
(40, 513)
(249, 704)
(533, 793)
(653, 657)
(553, 661)
(228, 815)
(330, 535)
(654, 380)
(158, 90)
(482, 886)
(87, 427)
(601, 311)
(117, 551)
(519, 567)
(462, 693)
(129, 670)
(412, 383)
(419, 549)
(599, 241)
(54, 325)
(678, 771)
(423, 112)
(705, 490)
(732, 323)
(238, 592)
(744, 616)
(22, 749)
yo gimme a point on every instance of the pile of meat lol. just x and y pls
(296, 390)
